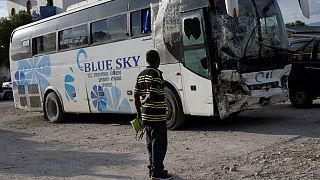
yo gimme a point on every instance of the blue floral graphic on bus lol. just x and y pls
(19, 79)
(98, 101)
(33, 71)
(70, 90)
(110, 101)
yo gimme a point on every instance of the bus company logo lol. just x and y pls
(263, 76)
(86, 65)
(80, 56)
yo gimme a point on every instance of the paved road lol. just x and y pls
(274, 142)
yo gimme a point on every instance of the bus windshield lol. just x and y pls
(254, 36)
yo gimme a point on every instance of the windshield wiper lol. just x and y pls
(247, 43)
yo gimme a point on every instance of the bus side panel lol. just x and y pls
(110, 72)
(198, 93)
(135, 50)
(172, 74)
(71, 89)
(29, 80)
(69, 80)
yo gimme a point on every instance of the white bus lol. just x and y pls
(218, 57)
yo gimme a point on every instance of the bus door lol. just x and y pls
(197, 85)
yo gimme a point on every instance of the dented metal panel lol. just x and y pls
(240, 49)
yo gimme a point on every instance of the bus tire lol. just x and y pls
(300, 97)
(53, 108)
(175, 115)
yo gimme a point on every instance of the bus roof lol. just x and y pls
(73, 10)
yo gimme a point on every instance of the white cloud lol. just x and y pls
(291, 11)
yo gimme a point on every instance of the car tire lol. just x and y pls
(175, 115)
(8, 96)
(53, 109)
(300, 98)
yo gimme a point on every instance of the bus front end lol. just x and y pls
(250, 56)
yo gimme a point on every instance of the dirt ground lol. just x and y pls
(278, 142)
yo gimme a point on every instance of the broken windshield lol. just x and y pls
(258, 31)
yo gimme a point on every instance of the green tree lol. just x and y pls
(297, 23)
(7, 25)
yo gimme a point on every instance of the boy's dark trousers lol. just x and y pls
(157, 142)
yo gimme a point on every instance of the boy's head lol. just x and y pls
(153, 58)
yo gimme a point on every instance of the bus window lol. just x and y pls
(44, 44)
(194, 43)
(73, 37)
(117, 27)
(135, 23)
(80, 35)
(65, 39)
(146, 21)
(99, 31)
(141, 22)
(111, 29)
(25, 50)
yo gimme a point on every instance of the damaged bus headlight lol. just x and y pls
(284, 82)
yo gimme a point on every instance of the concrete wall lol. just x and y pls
(18, 5)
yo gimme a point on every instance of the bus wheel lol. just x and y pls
(175, 116)
(53, 108)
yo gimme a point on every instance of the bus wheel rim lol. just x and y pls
(52, 109)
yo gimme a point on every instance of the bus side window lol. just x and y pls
(195, 52)
(65, 39)
(141, 22)
(73, 37)
(117, 27)
(24, 50)
(108, 30)
(79, 36)
(44, 44)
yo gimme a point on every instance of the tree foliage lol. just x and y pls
(7, 25)
(297, 23)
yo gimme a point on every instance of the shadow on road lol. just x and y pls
(26, 157)
(281, 119)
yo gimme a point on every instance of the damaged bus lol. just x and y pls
(218, 57)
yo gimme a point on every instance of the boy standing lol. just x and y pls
(150, 88)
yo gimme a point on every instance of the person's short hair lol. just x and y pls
(152, 56)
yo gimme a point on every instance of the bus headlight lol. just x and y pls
(284, 82)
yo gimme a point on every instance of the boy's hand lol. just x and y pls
(146, 99)
(139, 115)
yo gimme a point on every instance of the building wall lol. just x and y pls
(19, 5)
(61, 5)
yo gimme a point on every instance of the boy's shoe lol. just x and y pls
(164, 171)
(162, 177)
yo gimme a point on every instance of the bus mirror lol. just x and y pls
(304, 6)
(232, 7)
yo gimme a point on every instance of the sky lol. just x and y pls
(289, 8)
(291, 11)
(3, 8)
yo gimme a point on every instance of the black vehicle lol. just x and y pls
(304, 78)
(5, 91)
